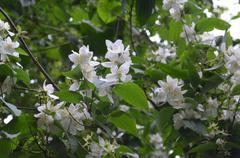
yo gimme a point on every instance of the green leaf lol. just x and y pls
(132, 94)
(59, 13)
(155, 74)
(122, 149)
(204, 147)
(23, 76)
(176, 73)
(5, 70)
(78, 14)
(6, 148)
(58, 147)
(175, 30)
(208, 24)
(165, 117)
(69, 96)
(75, 73)
(21, 124)
(236, 90)
(21, 51)
(192, 73)
(124, 122)
(144, 9)
(53, 54)
(108, 10)
(192, 8)
(211, 83)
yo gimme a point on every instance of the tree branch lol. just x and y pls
(47, 76)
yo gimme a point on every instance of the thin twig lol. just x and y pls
(130, 23)
(117, 29)
(28, 50)
(26, 89)
(235, 113)
(36, 141)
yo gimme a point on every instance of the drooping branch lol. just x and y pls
(29, 52)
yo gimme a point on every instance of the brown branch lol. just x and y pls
(28, 50)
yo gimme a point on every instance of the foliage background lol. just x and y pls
(53, 28)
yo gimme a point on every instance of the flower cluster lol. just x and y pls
(84, 59)
(190, 35)
(189, 32)
(162, 54)
(232, 58)
(7, 46)
(169, 91)
(71, 118)
(119, 64)
(101, 148)
(157, 142)
(183, 115)
(175, 7)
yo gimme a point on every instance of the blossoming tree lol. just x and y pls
(85, 79)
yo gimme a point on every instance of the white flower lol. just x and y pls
(224, 87)
(208, 39)
(46, 115)
(71, 118)
(220, 142)
(235, 79)
(171, 92)
(116, 48)
(4, 26)
(97, 150)
(84, 60)
(27, 3)
(212, 107)
(74, 86)
(158, 96)
(101, 148)
(174, 6)
(124, 108)
(162, 54)
(189, 32)
(167, 4)
(7, 47)
(132, 155)
(157, 141)
(178, 118)
(7, 84)
(175, 13)
(104, 89)
(232, 57)
(159, 154)
(227, 115)
(49, 89)
(117, 54)
(119, 74)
